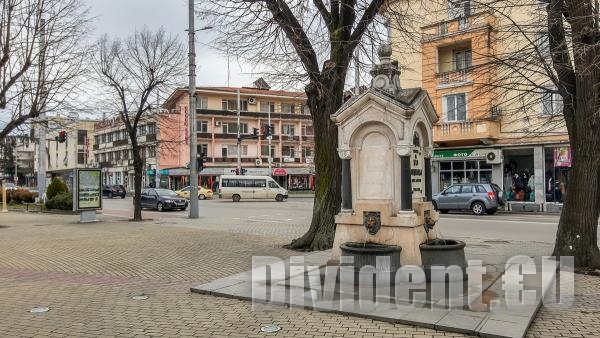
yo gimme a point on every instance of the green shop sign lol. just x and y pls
(452, 153)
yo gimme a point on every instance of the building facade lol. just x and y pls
(160, 135)
(492, 127)
(287, 154)
(17, 160)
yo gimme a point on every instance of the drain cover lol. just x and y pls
(39, 309)
(140, 297)
(270, 328)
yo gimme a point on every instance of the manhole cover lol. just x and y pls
(270, 328)
(140, 297)
(39, 309)
(497, 242)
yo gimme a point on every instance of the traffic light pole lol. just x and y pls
(239, 136)
(192, 115)
(269, 137)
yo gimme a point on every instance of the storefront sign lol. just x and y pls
(451, 153)
(248, 171)
(87, 194)
(562, 157)
(279, 172)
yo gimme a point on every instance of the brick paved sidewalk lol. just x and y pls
(87, 274)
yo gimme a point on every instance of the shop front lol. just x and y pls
(472, 165)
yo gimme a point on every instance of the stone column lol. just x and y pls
(405, 184)
(345, 155)
(539, 176)
(346, 185)
(428, 194)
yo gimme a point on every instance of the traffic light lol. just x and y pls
(200, 162)
(255, 132)
(62, 136)
(267, 130)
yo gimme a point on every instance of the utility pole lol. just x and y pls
(41, 170)
(192, 115)
(269, 137)
(239, 135)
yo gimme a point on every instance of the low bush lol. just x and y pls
(57, 186)
(62, 201)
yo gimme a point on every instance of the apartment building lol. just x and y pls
(491, 128)
(289, 150)
(160, 135)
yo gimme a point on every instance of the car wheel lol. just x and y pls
(279, 198)
(202, 197)
(478, 208)
(235, 198)
(434, 206)
(159, 207)
(122, 196)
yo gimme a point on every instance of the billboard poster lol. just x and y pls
(562, 157)
(88, 189)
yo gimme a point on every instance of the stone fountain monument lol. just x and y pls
(385, 143)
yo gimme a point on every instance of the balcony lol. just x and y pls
(479, 131)
(439, 30)
(452, 78)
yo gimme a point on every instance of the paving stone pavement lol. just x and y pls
(87, 274)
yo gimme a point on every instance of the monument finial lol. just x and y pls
(386, 75)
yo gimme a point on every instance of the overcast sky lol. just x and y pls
(122, 17)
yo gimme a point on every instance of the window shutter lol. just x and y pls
(461, 109)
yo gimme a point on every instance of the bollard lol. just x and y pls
(4, 198)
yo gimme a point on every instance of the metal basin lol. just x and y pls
(366, 256)
(447, 253)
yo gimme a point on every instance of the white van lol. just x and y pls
(239, 187)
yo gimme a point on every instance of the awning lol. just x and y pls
(211, 172)
(298, 171)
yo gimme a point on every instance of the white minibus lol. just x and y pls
(239, 187)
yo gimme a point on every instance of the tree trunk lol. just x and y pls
(138, 170)
(577, 233)
(324, 99)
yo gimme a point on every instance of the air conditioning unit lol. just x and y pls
(218, 123)
(278, 165)
(494, 157)
(251, 100)
(258, 162)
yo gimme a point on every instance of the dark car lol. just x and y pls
(112, 190)
(162, 199)
(480, 198)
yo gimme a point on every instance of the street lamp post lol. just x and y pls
(192, 112)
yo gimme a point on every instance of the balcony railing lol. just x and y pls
(466, 130)
(457, 25)
(453, 77)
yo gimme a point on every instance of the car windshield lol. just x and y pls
(165, 192)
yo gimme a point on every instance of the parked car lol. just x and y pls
(203, 193)
(480, 198)
(112, 190)
(162, 199)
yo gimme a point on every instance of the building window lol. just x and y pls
(459, 9)
(288, 108)
(552, 102)
(202, 102)
(231, 150)
(232, 104)
(443, 28)
(81, 156)
(151, 152)
(202, 149)
(308, 130)
(151, 128)
(288, 151)
(455, 107)
(97, 139)
(264, 150)
(125, 154)
(117, 155)
(462, 59)
(81, 136)
(110, 157)
(142, 130)
(231, 128)
(288, 129)
(267, 107)
(202, 126)
(307, 152)
(305, 109)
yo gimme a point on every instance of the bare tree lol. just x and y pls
(310, 43)
(131, 71)
(41, 57)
